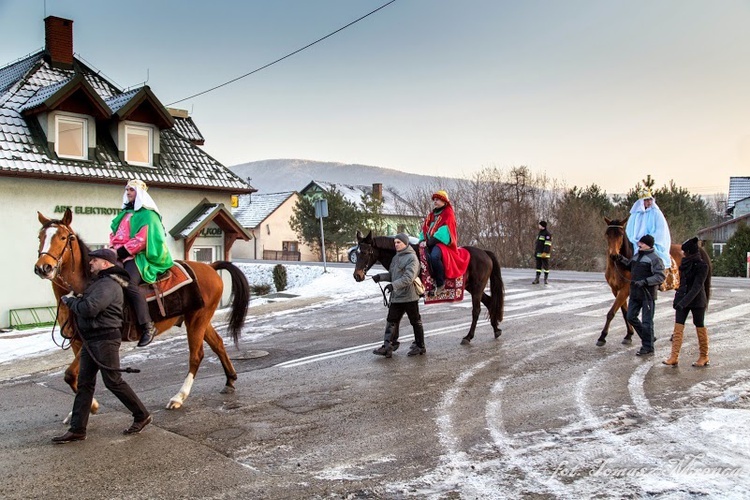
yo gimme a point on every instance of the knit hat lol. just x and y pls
(403, 237)
(647, 240)
(690, 247)
(543, 223)
(105, 254)
(441, 195)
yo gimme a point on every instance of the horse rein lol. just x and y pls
(58, 260)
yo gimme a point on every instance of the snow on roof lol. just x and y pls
(24, 145)
(254, 209)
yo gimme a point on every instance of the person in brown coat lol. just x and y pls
(691, 297)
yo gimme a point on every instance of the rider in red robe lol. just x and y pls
(439, 233)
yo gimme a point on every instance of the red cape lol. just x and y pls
(455, 259)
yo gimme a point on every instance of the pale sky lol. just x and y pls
(586, 91)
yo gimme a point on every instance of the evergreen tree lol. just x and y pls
(339, 228)
(733, 260)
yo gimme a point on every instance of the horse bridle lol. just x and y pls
(58, 260)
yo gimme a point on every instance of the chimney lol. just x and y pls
(377, 191)
(58, 38)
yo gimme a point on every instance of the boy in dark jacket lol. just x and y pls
(691, 297)
(646, 274)
(98, 314)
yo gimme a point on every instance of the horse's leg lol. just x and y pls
(217, 346)
(475, 309)
(71, 378)
(196, 325)
(629, 336)
(487, 301)
(610, 316)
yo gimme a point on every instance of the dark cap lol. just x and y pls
(543, 223)
(690, 247)
(647, 240)
(403, 237)
(105, 254)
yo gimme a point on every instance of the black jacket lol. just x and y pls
(543, 244)
(99, 310)
(645, 265)
(692, 292)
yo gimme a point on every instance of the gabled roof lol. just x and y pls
(126, 105)
(201, 215)
(50, 97)
(31, 82)
(254, 209)
(739, 188)
(353, 193)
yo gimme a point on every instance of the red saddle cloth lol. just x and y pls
(454, 287)
(171, 281)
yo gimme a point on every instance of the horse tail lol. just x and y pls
(497, 290)
(240, 297)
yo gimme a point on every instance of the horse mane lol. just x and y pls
(383, 243)
(83, 248)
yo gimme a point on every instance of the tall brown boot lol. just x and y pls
(702, 346)
(676, 345)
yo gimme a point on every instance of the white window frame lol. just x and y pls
(140, 130)
(215, 252)
(84, 135)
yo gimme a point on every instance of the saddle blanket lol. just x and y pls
(171, 281)
(454, 287)
(672, 277)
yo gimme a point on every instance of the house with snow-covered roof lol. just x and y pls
(395, 210)
(266, 216)
(70, 138)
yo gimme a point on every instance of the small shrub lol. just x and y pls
(260, 289)
(279, 277)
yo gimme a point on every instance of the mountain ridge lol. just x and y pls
(289, 174)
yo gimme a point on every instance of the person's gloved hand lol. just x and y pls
(67, 299)
(639, 283)
(621, 259)
(389, 288)
(677, 306)
(376, 278)
(122, 253)
(432, 242)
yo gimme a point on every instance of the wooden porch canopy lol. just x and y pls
(190, 227)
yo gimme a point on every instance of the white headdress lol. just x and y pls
(142, 198)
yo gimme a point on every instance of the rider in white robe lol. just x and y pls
(647, 218)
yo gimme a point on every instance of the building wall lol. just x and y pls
(271, 234)
(20, 199)
(741, 208)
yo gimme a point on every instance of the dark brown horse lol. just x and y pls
(64, 260)
(483, 267)
(618, 277)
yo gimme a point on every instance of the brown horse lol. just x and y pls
(483, 267)
(64, 260)
(618, 277)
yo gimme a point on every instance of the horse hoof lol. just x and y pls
(174, 405)
(228, 389)
(601, 342)
(627, 341)
(498, 332)
(465, 341)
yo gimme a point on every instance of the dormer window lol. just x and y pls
(71, 139)
(139, 145)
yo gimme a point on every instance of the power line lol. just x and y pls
(282, 58)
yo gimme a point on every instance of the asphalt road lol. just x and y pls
(539, 413)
